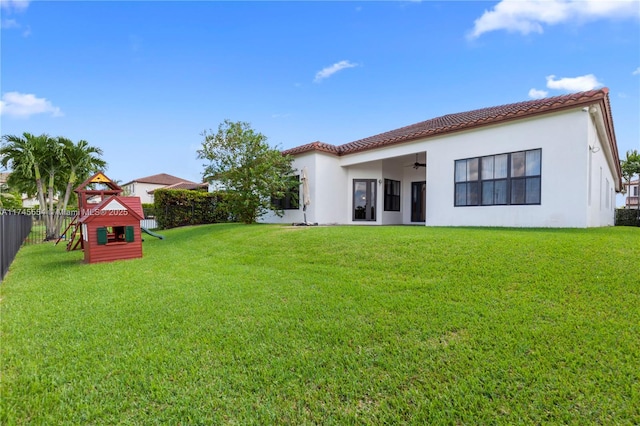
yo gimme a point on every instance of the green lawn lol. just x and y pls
(239, 324)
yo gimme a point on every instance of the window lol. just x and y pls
(290, 199)
(115, 234)
(391, 195)
(503, 179)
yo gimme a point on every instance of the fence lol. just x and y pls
(38, 232)
(14, 229)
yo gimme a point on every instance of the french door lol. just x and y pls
(418, 201)
(364, 199)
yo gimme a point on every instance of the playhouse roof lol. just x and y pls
(99, 177)
(131, 204)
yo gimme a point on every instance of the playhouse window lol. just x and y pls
(115, 234)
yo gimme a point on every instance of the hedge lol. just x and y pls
(180, 207)
(627, 217)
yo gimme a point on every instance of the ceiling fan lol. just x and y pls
(417, 164)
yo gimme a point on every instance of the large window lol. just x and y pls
(504, 179)
(391, 195)
(290, 200)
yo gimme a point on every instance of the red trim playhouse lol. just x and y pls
(108, 224)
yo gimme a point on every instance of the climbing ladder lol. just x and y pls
(74, 229)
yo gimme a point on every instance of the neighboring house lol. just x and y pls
(541, 163)
(4, 176)
(144, 187)
(632, 190)
(190, 186)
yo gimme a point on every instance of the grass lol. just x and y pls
(233, 324)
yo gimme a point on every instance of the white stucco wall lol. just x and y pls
(137, 189)
(562, 140)
(326, 187)
(574, 191)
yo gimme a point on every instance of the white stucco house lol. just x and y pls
(143, 187)
(549, 162)
(632, 190)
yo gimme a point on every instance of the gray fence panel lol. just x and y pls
(14, 229)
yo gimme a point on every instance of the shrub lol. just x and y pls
(627, 217)
(179, 207)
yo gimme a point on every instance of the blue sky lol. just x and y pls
(143, 80)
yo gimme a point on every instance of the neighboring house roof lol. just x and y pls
(183, 185)
(160, 179)
(468, 120)
(633, 182)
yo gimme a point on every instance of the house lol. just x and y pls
(549, 162)
(144, 187)
(190, 186)
(632, 190)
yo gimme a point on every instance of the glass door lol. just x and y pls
(418, 201)
(364, 199)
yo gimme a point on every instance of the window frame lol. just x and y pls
(288, 201)
(391, 198)
(370, 209)
(519, 176)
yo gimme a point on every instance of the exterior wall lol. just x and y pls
(600, 188)
(326, 188)
(93, 252)
(633, 194)
(562, 138)
(577, 182)
(137, 189)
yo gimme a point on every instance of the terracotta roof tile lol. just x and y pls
(466, 120)
(160, 179)
(183, 185)
(313, 146)
(476, 118)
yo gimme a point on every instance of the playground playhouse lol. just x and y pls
(107, 226)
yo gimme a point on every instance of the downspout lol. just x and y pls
(595, 111)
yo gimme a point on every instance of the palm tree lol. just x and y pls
(81, 160)
(21, 153)
(32, 157)
(58, 160)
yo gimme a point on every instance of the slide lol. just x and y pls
(153, 234)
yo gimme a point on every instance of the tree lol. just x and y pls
(82, 160)
(250, 170)
(34, 159)
(630, 166)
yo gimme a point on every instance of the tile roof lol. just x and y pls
(160, 179)
(468, 120)
(183, 185)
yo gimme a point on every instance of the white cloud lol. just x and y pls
(14, 5)
(574, 84)
(330, 70)
(529, 16)
(537, 94)
(7, 24)
(636, 72)
(23, 105)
